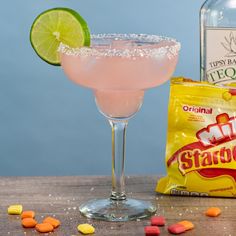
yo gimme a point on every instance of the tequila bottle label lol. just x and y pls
(220, 55)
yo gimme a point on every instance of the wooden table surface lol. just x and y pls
(61, 196)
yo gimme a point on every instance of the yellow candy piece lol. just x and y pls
(86, 229)
(227, 96)
(15, 209)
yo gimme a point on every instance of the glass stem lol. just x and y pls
(118, 159)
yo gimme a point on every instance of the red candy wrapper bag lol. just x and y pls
(201, 140)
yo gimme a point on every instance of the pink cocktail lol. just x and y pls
(119, 68)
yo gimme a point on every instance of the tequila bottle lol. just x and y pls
(218, 41)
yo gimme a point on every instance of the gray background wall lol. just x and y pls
(48, 125)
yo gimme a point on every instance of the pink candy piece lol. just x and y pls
(158, 221)
(151, 231)
(176, 229)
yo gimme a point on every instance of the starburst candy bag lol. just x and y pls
(201, 140)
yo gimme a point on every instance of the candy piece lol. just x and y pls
(151, 231)
(227, 96)
(53, 221)
(213, 211)
(27, 214)
(187, 224)
(15, 209)
(86, 229)
(44, 228)
(176, 229)
(222, 118)
(28, 222)
(232, 92)
(158, 221)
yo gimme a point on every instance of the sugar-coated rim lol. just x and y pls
(169, 51)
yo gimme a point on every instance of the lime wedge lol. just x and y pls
(54, 26)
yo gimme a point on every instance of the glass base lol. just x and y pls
(117, 211)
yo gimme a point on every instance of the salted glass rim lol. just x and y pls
(98, 41)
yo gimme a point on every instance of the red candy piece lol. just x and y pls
(176, 229)
(151, 231)
(233, 92)
(158, 221)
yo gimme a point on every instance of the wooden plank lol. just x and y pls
(61, 196)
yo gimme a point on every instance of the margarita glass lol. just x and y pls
(119, 68)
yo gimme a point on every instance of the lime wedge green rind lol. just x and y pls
(54, 26)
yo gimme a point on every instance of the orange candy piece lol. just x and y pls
(28, 222)
(44, 228)
(187, 224)
(222, 119)
(27, 214)
(213, 212)
(53, 221)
